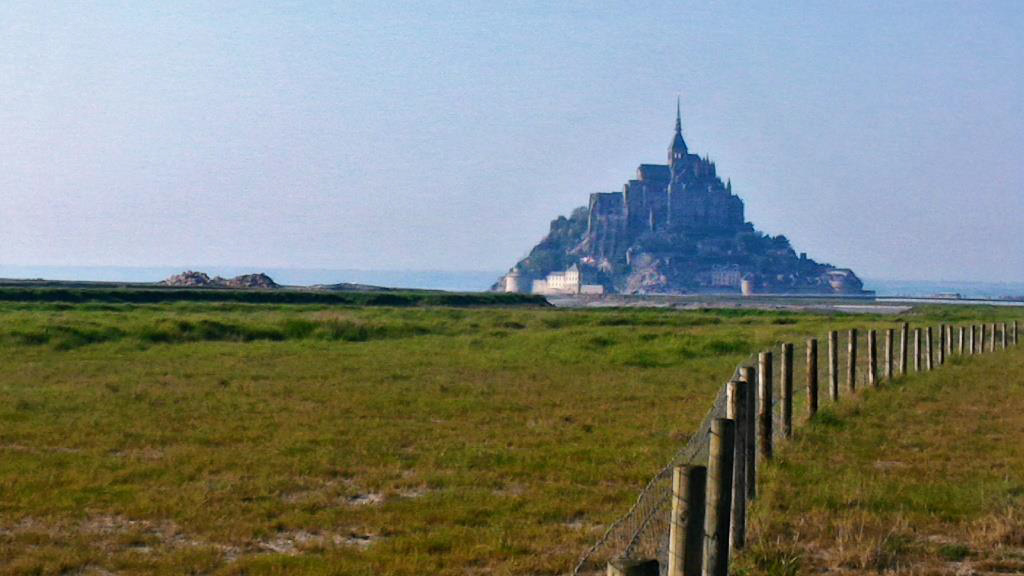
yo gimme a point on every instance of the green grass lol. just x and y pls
(239, 438)
(922, 476)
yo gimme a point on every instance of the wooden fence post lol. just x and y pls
(928, 349)
(970, 339)
(749, 375)
(851, 365)
(889, 333)
(1002, 335)
(960, 344)
(992, 338)
(812, 378)
(1014, 333)
(764, 407)
(872, 358)
(949, 341)
(736, 410)
(787, 390)
(686, 532)
(833, 365)
(917, 349)
(719, 500)
(904, 344)
(941, 358)
(984, 338)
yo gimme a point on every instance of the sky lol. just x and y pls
(883, 136)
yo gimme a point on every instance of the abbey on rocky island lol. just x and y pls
(676, 228)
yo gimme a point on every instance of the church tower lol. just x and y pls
(677, 150)
(677, 166)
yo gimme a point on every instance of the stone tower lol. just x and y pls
(513, 281)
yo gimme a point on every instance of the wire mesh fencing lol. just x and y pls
(642, 531)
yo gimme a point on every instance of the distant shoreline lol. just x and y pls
(453, 281)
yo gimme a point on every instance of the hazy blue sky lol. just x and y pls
(885, 136)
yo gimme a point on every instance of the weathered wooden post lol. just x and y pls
(1002, 335)
(941, 359)
(889, 334)
(970, 340)
(787, 390)
(736, 410)
(632, 567)
(960, 341)
(719, 500)
(749, 375)
(872, 359)
(917, 349)
(929, 352)
(1014, 333)
(984, 338)
(812, 377)
(764, 406)
(904, 343)
(833, 365)
(979, 340)
(851, 366)
(992, 338)
(949, 341)
(686, 532)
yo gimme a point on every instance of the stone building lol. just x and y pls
(568, 281)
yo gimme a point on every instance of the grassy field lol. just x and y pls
(922, 477)
(234, 438)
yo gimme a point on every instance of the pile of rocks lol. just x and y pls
(193, 279)
(260, 280)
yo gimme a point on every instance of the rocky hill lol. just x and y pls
(675, 228)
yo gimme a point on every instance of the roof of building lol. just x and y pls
(653, 172)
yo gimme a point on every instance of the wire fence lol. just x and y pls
(644, 530)
(641, 531)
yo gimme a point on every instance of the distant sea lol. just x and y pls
(463, 280)
(919, 288)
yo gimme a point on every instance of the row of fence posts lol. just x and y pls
(709, 503)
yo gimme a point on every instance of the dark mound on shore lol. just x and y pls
(192, 279)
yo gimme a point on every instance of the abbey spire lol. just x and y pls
(677, 151)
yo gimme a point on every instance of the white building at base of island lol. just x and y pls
(569, 281)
